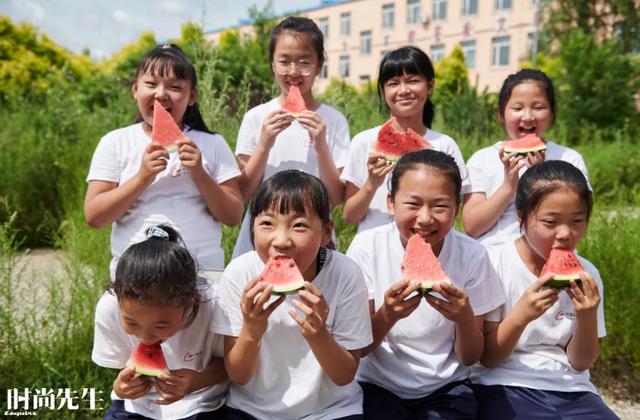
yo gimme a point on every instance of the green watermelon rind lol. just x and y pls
(520, 151)
(560, 282)
(287, 290)
(148, 371)
(426, 288)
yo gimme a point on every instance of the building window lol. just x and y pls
(365, 42)
(344, 66)
(324, 71)
(469, 7)
(500, 51)
(503, 4)
(437, 52)
(388, 15)
(469, 50)
(324, 27)
(364, 79)
(345, 23)
(439, 9)
(413, 11)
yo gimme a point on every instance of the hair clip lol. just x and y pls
(157, 232)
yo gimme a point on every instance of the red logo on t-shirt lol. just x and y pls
(188, 357)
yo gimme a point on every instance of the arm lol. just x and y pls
(396, 306)
(253, 166)
(357, 199)
(501, 338)
(185, 381)
(242, 352)
(107, 201)
(584, 347)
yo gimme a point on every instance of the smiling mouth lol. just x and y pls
(425, 234)
(527, 130)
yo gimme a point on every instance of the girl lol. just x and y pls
(526, 105)
(271, 139)
(293, 357)
(406, 80)
(134, 183)
(416, 366)
(543, 341)
(156, 297)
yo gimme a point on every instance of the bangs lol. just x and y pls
(165, 63)
(296, 201)
(396, 64)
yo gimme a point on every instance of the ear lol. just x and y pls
(193, 97)
(134, 89)
(431, 86)
(390, 207)
(327, 231)
(500, 118)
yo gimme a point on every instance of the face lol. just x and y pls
(151, 323)
(527, 111)
(174, 95)
(298, 236)
(293, 52)
(407, 94)
(424, 203)
(559, 221)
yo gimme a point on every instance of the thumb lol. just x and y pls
(541, 282)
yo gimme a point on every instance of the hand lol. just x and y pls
(512, 164)
(274, 124)
(128, 385)
(456, 307)
(535, 301)
(586, 297)
(378, 169)
(316, 309)
(315, 126)
(397, 304)
(190, 157)
(534, 158)
(154, 161)
(255, 295)
(175, 386)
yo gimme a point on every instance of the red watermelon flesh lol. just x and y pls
(527, 144)
(565, 266)
(394, 144)
(283, 274)
(294, 102)
(421, 264)
(148, 360)
(165, 130)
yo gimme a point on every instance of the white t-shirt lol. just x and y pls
(172, 198)
(417, 356)
(539, 360)
(291, 150)
(190, 348)
(486, 174)
(356, 171)
(289, 382)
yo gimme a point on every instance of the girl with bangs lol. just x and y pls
(406, 81)
(135, 184)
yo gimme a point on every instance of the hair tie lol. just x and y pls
(157, 232)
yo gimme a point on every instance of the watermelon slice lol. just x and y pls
(565, 266)
(522, 146)
(421, 264)
(283, 274)
(165, 130)
(394, 144)
(294, 102)
(148, 360)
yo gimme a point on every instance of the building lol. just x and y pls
(494, 34)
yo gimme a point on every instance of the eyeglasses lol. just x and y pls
(284, 67)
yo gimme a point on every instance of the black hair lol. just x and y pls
(292, 191)
(433, 159)
(158, 271)
(546, 178)
(167, 59)
(522, 76)
(298, 25)
(409, 60)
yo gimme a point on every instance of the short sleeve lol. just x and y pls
(477, 179)
(355, 171)
(595, 274)
(105, 164)
(483, 284)
(340, 141)
(358, 254)
(225, 166)
(111, 345)
(227, 317)
(452, 149)
(248, 133)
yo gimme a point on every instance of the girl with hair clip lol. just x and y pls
(134, 183)
(540, 344)
(526, 105)
(417, 366)
(157, 297)
(293, 357)
(406, 80)
(272, 139)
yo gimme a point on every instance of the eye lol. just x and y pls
(300, 225)
(549, 222)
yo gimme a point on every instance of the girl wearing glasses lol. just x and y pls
(271, 139)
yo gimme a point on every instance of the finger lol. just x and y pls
(302, 307)
(548, 292)
(412, 287)
(264, 296)
(451, 290)
(542, 280)
(411, 303)
(138, 389)
(273, 305)
(576, 290)
(138, 392)
(300, 321)
(397, 287)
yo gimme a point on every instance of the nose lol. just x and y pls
(404, 87)
(281, 239)
(160, 92)
(424, 216)
(147, 337)
(563, 233)
(528, 114)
